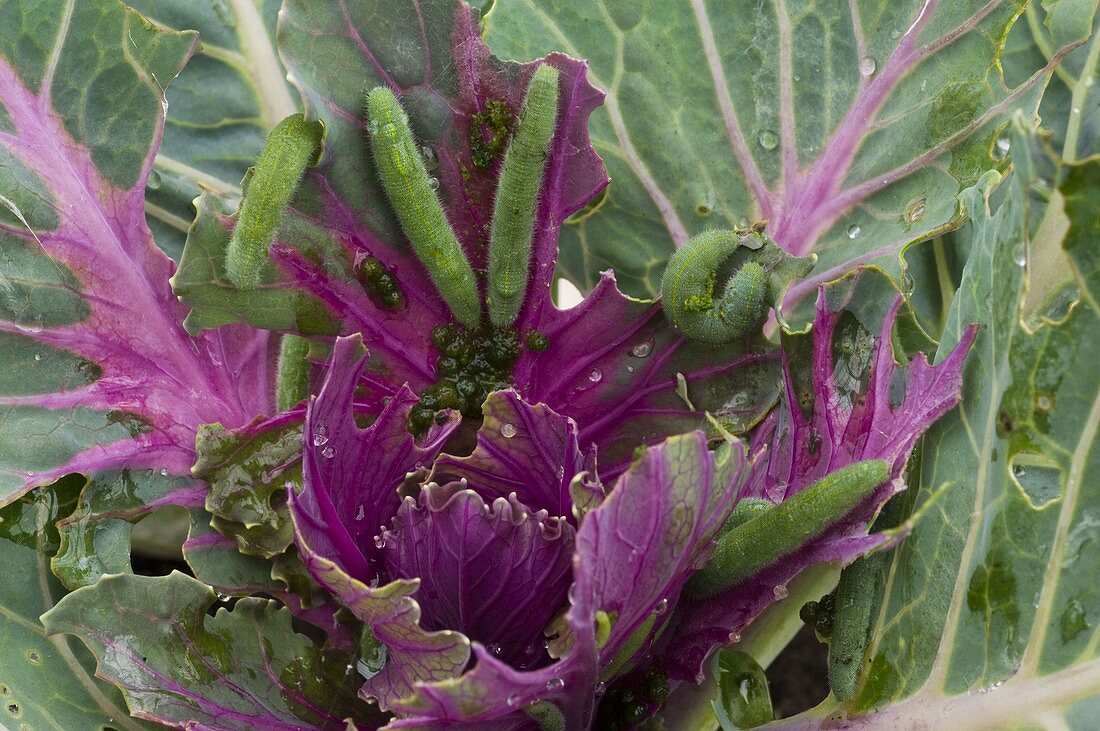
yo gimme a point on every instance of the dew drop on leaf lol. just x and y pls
(780, 592)
(507, 430)
(328, 452)
(555, 684)
(320, 435)
(642, 349)
(595, 375)
(867, 66)
(768, 140)
(854, 231)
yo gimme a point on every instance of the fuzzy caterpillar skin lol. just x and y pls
(687, 291)
(757, 543)
(408, 188)
(292, 146)
(292, 372)
(856, 594)
(517, 198)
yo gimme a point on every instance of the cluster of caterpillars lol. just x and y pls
(688, 288)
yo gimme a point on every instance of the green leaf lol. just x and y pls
(45, 682)
(243, 668)
(96, 534)
(219, 108)
(850, 126)
(248, 471)
(1071, 103)
(990, 607)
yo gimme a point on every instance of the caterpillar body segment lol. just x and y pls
(409, 189)
(292, 372)
(292, 146)
(688, 290)
(517, 198)
(790, 525)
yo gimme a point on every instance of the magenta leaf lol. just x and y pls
(102, 375)
(845, 400)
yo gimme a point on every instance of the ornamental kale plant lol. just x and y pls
(298, 433)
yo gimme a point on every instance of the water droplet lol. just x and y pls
(555, 684)
(642, 349)
(163, 471)
(601, 688)
(867, 66)
(854, 231)
(1043, 402)
(431, 160)
(360, 513)
(223, 598)
(734, 638)
(379, 542)
(328, 452)
(1019, 255)
(154, 181)
(661, 608)
(320, 435)
(768, 140)
(1019, 470)
(433, 183)
(780, 592)
(514, 700)
(38, 356)
(1004, 144)
(595, 375)
(495, 649)
(507, 430)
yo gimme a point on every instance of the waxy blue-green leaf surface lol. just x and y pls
(219, 108)
(241, 668)
(989, 615)
(850, 125)
(46, 683)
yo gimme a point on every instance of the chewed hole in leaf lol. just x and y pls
(1038, 476)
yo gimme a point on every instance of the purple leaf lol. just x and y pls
(636, 551)
(494, 573)
(351, 475)
(863, 406)
(611, 364)
(525, 450)
(108, 378)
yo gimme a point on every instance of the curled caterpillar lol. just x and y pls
(688, 290)
(790, 525)
(292, 146)
(517, 197)
(409, 189)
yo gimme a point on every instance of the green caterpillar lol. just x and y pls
(292, 372)
(758, 542)
(291, 147)
(409, 189)
(517, 198)
(856, 596)
(687, 290)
